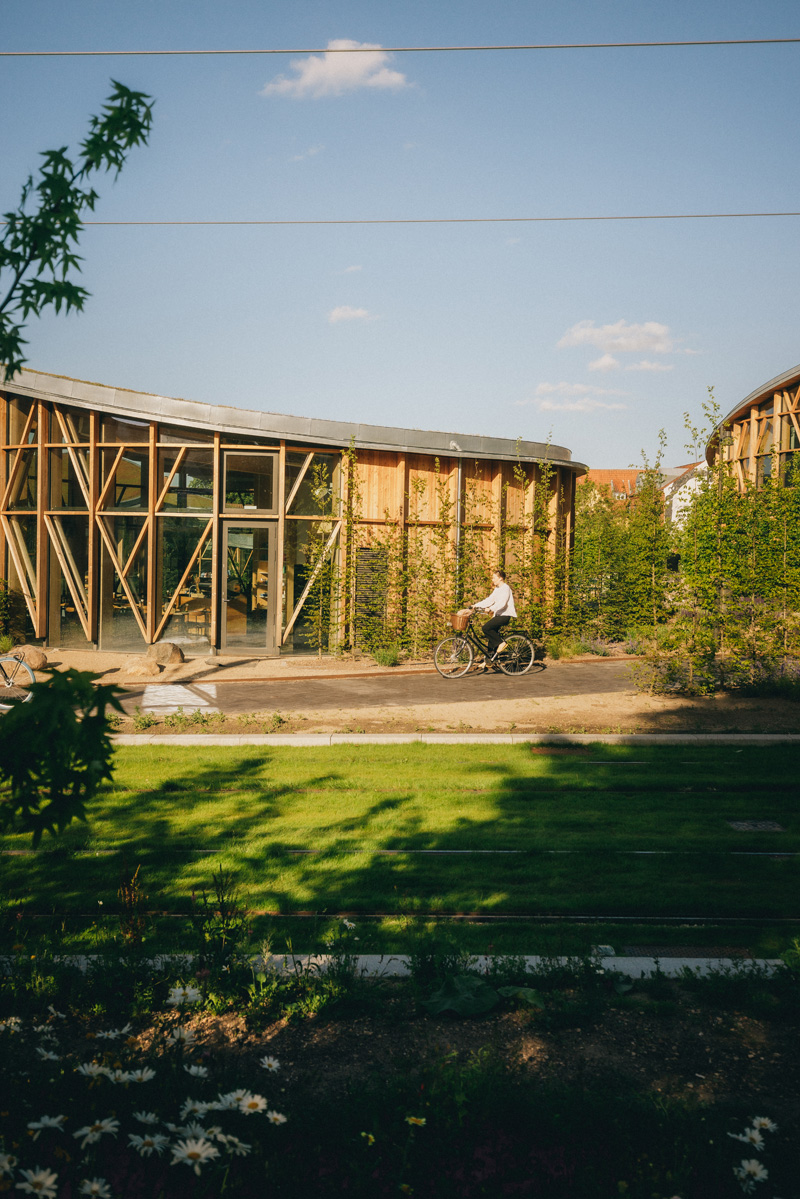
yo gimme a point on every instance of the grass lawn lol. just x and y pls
(495, 830)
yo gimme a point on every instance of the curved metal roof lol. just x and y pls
(245, 423)
(761, 393)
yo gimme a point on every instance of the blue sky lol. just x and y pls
(596, 334)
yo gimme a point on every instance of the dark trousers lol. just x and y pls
(491, 631)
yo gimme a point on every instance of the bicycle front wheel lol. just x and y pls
(16, 678)
(453, 657)
(518, 655)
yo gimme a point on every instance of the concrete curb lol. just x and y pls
(314, 740)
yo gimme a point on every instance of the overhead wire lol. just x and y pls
(366, 49)
(468, 220)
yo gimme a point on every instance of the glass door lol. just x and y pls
(249, 587)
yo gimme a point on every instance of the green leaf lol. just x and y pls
(465, 995)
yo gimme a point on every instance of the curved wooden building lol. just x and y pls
(762, 433)
(128, 518)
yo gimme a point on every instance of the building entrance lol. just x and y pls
(249, 587)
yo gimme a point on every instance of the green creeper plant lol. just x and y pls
(37, 248)
(55, 751)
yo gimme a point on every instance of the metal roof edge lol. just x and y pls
(253, 422)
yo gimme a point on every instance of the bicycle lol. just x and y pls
(16, 679)
(454, 656)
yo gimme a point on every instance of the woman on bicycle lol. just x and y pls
(501, 605)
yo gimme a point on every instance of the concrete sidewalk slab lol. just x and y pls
(309, 740)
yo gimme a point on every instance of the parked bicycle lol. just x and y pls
(16, 679)
(454, 656)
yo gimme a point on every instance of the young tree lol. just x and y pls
(37, 247)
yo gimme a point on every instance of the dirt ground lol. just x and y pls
(669, 1050)
(615, 711)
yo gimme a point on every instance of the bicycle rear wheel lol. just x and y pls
(518, 655)
(453, 657)
(16, 678)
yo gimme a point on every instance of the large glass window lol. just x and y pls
(123, 583)
(312, 483)
(191, 485)
(135, 432)
(131, 473)
(246, 584)
(71, 567)
(172, 435)
(23, 490)
(65, 485)
(180, 564)
(311, 571)
(18, 412)
(250, 482)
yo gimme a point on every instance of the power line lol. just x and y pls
(471, 220)
(744, 41)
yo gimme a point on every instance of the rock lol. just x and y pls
(36, 659)
(141, 668)
(165, 653)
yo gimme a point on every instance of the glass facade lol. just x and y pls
(118, 531)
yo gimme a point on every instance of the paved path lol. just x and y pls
(388, 690)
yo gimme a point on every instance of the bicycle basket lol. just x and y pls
(460, 620)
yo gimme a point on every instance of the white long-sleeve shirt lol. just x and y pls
(500, 602)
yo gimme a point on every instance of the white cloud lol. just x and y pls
(309, 153)
(585, 405)
(334, 74)
(644, 365)
(620, 337)
(349, 270)
(345, 313)
(573, 397)
(607, 363)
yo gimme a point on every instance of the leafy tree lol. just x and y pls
(55, 752)
(37, 249)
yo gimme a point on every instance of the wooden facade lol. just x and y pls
(128, 518)
(761, 436)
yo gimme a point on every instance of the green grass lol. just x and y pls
(182, 812)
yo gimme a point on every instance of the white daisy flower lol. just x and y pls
(764, 1123)
(250, 1104)
(119, 1075)
(276, 1117)
(151, 1142)
(194, 1153)
(56, 1015)
(184, 1035)
(95, 1186)
(143, 1074)
(348, 924)
(93, 1132)
(91, 1069)
(11, 1024)
(46, 1122)
(181, 995)
(750, 1136)
(270, 1063)
(193, 1129)
(193, 1107)
(146, 1117)
(750, 1172)
(39, 1182)
(46, 1055)
(234, 1145)
(113, 1034)
(197, 1071)
(42, 1028)
(231, 1100)
(7, 1164)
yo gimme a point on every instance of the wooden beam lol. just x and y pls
(216, 566)
(312, 580)
(137, 543)
(109, 483)
(42, 502)
(69, 569)
(152, 543)
(197, 550)
(298, 480)
(93, 559)
(283, 505)
(112, 553)
(12, 474)
(175, 466)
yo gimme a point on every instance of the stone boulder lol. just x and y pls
(36, 658)
(141, 668)
(165, 653)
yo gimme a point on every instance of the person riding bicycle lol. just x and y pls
(501, 604)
